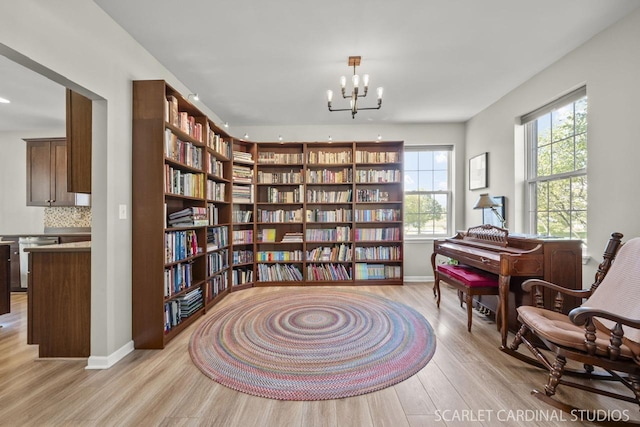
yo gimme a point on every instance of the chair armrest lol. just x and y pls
(580, 315)
(527, 285)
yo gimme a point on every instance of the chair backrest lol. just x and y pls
(619, 290)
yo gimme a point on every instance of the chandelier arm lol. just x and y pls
(342, 109)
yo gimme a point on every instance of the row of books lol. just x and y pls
(280, 177)
(216, 285)
(214, 166)
(373, 215)
(182, 151)
(292, 237)
(379, 234)
(242, 193)
(182, 307)
(216, 190)
(268, 157)
(328, 196)
(241, 276)
(328, 272)
(217, 143)
(267, 235)
(177, 278)
(217, 261)
(335, 215)
(242, 236)
(378, 176)
(329, 176)
(392, 253)
(338, 234)
(213, 214)
(181, 119)
(366, 271)
(217, 237)
(340, 252)
(241, 257)
(183, 183)
(277, 195)
(377, 156)
(326, 157)
(279, 256)
(280, 215)
(279, 273)
(372, 195)
(180, 245)
(241, 215)
(241, 156)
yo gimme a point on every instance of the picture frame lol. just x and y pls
(488, 217)
(478, 171)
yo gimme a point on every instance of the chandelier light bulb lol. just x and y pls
(329, 96)
(356, 80)
(380, 91)
(343, 82)
(365, 80)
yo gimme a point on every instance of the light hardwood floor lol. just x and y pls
(469, 382)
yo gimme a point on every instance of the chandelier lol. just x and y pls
(354, 61)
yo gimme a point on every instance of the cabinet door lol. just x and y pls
(79, 110)
(38, 173)
(60, 196)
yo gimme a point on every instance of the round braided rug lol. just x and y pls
(312, 344)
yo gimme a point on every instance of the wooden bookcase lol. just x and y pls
(329, 213)
(181, 162)
(262, 213)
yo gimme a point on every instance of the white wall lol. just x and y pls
(417, 253)
(76, 44)
(609, 64)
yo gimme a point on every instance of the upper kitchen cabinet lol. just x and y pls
(47, 174)
(79, 117)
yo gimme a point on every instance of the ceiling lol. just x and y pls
(270, 63)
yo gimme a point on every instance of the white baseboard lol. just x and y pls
(105, 362)
(409, 279)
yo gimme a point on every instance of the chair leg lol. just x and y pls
(518, 338)
(635, 386)
(460, 297)
(469, 300)
(554, 376)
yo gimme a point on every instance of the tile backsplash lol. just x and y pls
(79, 216)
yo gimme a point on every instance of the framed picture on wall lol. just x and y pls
(478, 171)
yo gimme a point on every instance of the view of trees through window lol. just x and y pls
(557, 142)
(427, 192)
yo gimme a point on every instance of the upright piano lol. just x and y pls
(515, 258)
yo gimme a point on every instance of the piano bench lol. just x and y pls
(467, 280)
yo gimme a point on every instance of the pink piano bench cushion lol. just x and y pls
(468, 275)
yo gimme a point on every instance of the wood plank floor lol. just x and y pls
(469, 382)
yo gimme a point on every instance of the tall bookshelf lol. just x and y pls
(243, 215)
(181, 213)
(329, 213)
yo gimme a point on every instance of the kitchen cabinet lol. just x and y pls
(79, 119)
(47, 174)
(59, 299)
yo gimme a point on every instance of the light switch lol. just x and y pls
(123, 212)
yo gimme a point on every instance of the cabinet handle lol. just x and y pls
(485, 260)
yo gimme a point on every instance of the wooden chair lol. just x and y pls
(604, 332)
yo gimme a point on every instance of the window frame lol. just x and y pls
(532, 179)
(448, 192)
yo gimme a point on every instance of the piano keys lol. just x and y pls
(515, 258)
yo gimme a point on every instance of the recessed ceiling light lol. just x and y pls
(4, 101)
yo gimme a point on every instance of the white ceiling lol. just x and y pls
(270, 63)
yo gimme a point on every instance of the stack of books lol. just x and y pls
(189, 217)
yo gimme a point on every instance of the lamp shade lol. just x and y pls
(485, 201)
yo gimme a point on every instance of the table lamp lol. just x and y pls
(486, 202)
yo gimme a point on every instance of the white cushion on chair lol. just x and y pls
(619, 292)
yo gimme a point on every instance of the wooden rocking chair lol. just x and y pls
(603, 332)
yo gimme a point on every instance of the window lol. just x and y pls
(556, 137)
(427, 191)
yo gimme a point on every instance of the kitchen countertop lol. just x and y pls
(63, 247)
